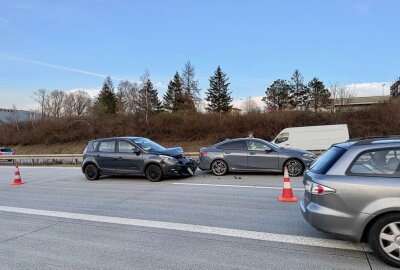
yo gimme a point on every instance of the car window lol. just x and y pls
(257, 146)
(125, 147)
(238, 145)
(282, 138)
(5, 150)
(383, 162)
(326, 160)
(107, 146)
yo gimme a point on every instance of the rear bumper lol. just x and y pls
(334, 222)
(204, 163)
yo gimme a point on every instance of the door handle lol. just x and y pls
(227, 152)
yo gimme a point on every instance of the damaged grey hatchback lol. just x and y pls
(134, 156)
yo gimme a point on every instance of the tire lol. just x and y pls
(219, 167)
(385, 233)
(92, 172)
(154, 173)
(295, 167)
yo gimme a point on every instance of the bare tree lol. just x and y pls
(131, 98)
(190, 85)
(250, 106)
(41, 97)
(56, 103)
(341, 96)
(82, 102)
(127, 97)
(15, 116)
(69, 104)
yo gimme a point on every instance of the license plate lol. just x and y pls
(190, 171)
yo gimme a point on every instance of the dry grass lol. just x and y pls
(191, 131)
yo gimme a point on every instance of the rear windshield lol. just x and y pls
(327, 159)
(5, 150)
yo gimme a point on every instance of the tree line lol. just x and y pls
(183, 95)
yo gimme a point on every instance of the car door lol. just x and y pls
(106, 156)
(234, 154)
(129, 158)
(261, 156)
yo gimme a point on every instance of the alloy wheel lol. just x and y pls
(219, 167)
(389, 239)
(295, 168)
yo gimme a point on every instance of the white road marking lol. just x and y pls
(41, 167)
(254, 235)
(232, 186)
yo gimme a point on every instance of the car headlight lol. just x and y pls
(168, 158)
(310, 155)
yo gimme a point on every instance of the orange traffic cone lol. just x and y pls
(17, 178)
(287, 192)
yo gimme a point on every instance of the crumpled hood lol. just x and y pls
(172, 152)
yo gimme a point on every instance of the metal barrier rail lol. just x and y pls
(55, 158)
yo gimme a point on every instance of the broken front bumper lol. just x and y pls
(184, 167)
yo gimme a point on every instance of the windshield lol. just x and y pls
(148, 145)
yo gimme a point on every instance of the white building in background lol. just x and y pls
(20, 116)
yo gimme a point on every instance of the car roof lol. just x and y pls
(383, 140)
(237, 140)
(116, 138)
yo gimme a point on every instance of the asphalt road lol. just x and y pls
(59, 220)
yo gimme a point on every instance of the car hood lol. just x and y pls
(172, 152)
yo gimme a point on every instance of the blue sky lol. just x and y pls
(72, 44)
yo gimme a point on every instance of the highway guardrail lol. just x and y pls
(40, 159)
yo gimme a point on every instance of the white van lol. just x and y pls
(312, 138)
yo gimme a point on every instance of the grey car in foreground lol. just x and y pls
(353, 190)
(253, 155)
(134, 156)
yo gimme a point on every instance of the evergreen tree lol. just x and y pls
(277, 95)
(171, 97)
(148, 99)
(299, 93)
(218, 95)
(106, 102)
(176, 99)
(319, 95)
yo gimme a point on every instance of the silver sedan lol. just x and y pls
(253, 155)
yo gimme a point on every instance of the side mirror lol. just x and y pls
(269, 150)
(137, 151)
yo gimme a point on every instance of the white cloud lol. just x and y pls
(239, 103)
(93, 92)
(370, 89)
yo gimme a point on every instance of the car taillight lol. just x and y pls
(202, 153)
(318, 189)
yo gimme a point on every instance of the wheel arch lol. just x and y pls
(153, 163)
(367, 227)
(91, 163)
